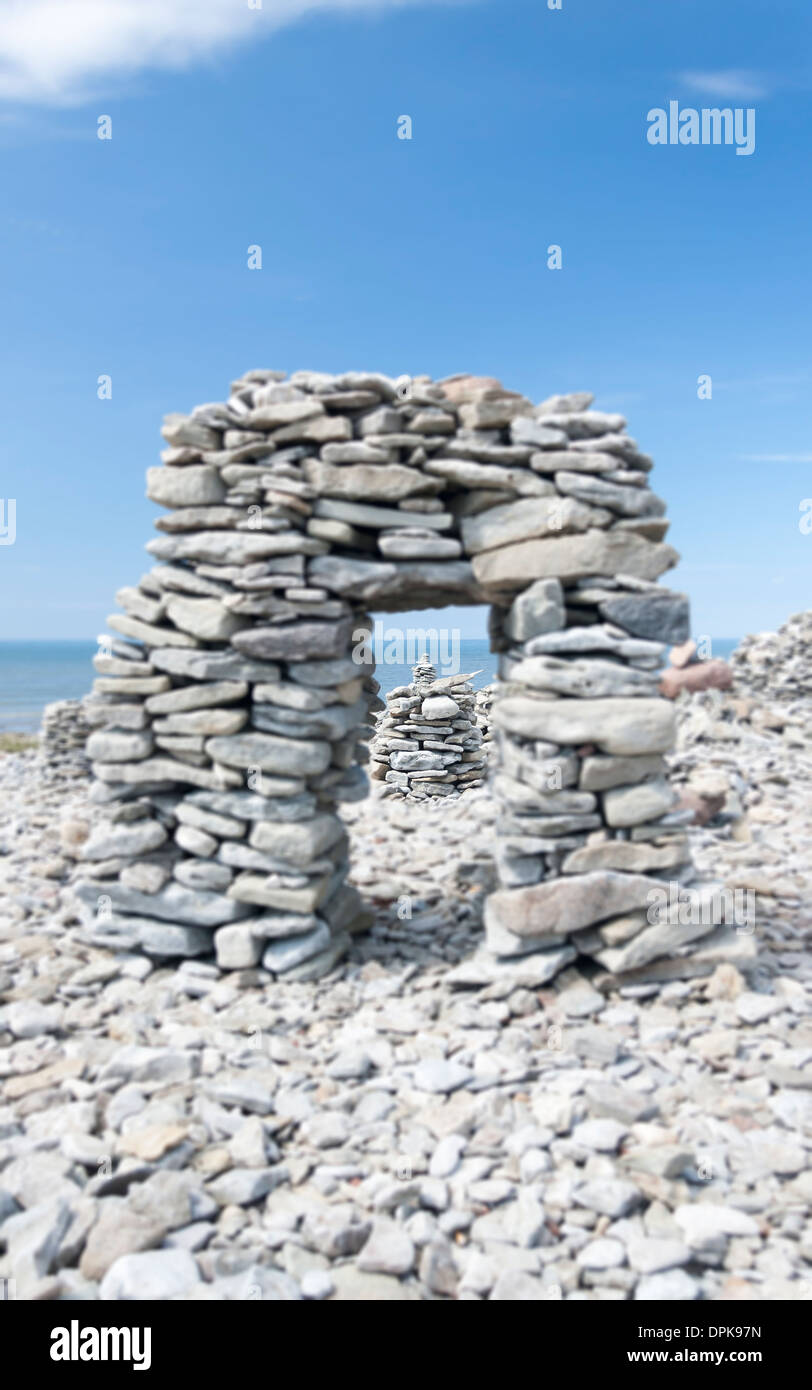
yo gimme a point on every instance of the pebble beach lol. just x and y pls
(418, 1125)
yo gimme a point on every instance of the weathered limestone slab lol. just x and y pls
(174, 903)
(573, 557)
(270, 754)
(196, 485)
(626, 728)
(518, 521)
(566, 905)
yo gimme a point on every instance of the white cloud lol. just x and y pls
(728, 84)
(59, 51)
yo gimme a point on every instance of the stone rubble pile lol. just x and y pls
(169, 1132)
(777, 665)
(428, 741)
(63, 735)
(743, 764)
(232, 709)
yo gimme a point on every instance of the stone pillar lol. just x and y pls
(590, 840)
(63, 734)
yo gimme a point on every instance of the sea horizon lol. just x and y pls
(35, 672)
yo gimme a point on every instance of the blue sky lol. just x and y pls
(127, 257)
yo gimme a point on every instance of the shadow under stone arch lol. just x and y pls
(231, 703)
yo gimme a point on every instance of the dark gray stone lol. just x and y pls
(661, 617)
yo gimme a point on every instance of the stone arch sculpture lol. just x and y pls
(232, 699)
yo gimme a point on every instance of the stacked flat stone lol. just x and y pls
(234, 695)
(428, 741)
(63, 734)
(589, 822)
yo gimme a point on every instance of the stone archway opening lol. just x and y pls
(234, 694)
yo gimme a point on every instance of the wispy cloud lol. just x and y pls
(57, 52)
(771, 388)
(777, 458)
(728, 84)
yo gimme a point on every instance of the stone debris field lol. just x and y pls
(417, 1123)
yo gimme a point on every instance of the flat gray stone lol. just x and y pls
(561, 906)
(626, 727)
(297, 842)
(241, 1187)
(600, 772)
(296, 641)
(286, 800)
(516, 1286)
(628, 501)
(627, 857)
(529, 972)
(154, 1275)
(195, 697)
(603, 1253)
(194, 485)
(526, 518)
(269, 753)
(656, 1254)
(585, 678)
(645, 801)
(111, 841)
(526, 430)
(569, 557)
(174, 903)
(389, 1249)
(612, 1197)
(439, 1076)
(212, 666)
(33, 1238)
(233, 547)
(283, 955)
(390, 482)
(604, 1136)
(597, 637)
(675, 1286)
(206, 618)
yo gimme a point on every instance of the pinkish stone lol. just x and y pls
(704, 807)
(467, 388)
(705, 675)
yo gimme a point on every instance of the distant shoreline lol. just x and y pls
(36, 672)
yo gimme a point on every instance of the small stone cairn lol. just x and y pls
(63, 735)
(429, 740)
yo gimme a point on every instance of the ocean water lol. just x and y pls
(32, 674)
(467, 656)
